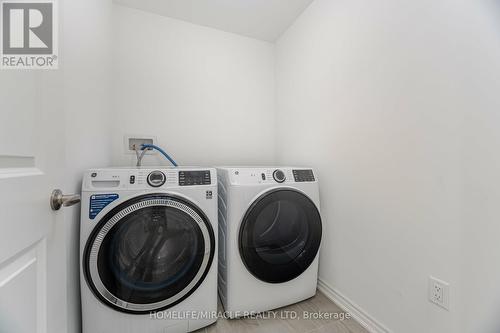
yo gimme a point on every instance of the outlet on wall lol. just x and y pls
(439, 292)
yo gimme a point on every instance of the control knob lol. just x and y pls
(279, 176)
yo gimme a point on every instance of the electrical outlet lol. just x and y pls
(132, 141)
(439, 292)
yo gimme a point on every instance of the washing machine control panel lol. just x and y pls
(114, 179)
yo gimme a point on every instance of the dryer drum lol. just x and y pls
(149, 253)
(280, 235)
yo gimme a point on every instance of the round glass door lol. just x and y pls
(149, 253)
(280, 235)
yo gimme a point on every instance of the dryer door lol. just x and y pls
(280, 235)
(149, 253)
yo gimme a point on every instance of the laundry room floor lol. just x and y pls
(317, 304)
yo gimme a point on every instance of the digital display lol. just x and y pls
(189, 178)
(303, 175)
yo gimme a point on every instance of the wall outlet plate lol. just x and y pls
(129, 141)
(439, 292)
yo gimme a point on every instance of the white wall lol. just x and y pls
(480, 208)
(396, 105)
(207, 95)
(85, 62)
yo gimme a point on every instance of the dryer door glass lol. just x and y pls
(149, 254)
(280, 235)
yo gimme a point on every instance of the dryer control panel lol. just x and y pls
(271, 175)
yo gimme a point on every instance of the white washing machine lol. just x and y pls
(269, 237)
(147, 250)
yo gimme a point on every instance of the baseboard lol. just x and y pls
(361, 316)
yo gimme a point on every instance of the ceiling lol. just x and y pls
(261, 19)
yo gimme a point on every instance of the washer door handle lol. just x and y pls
(58, 199)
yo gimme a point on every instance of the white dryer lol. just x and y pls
(269, 237)
(147, 249)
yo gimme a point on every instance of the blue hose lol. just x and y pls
(149, 146)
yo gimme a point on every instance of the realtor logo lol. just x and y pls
(29, 34)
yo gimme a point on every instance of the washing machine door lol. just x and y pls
(149, 253)
(280, 235)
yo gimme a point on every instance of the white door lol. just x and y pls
(31, 158)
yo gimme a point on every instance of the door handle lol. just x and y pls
(58, 200)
